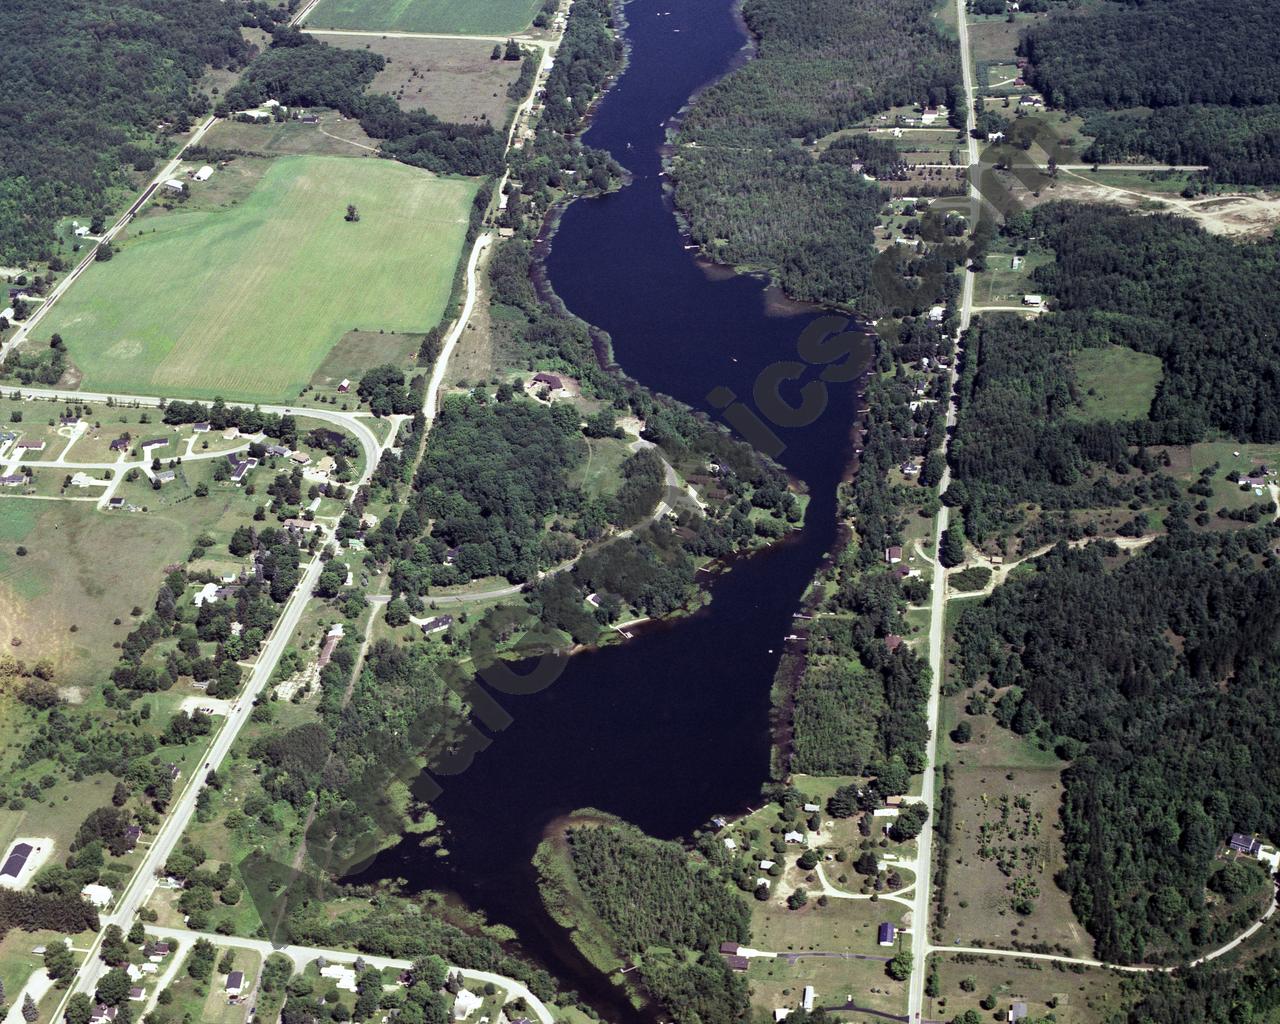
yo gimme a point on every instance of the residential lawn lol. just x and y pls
(776, 983)
(472, 17)
(455, 79)
(1072, 994)
(246, 301)
(1118, 383)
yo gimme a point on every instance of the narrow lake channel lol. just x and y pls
(673, 727)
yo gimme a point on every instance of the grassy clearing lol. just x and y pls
(357, 352)
(246, 302)
(1119, 383)
(455, 79)
(293, 138)
(1006, 844)
(1073, 995)
(471, 17)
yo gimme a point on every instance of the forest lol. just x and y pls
(87, 87)
(1206, 305)
(1154, 676)
(668, 912)
(1166, 54)
(1240, 145)
(749, 193)
(1205, 76)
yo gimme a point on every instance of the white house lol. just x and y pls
(174, 185)
(204, 174)
(807, 1000)
(207, 594)
(796, 837)
(465, 1003)
(1033, 300)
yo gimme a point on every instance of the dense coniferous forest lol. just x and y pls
(749, 193)
(1157, 680)
(86, 85)
(653, 898)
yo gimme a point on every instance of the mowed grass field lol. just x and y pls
(469, 17)
(246, 301)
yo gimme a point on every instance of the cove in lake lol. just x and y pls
(673, 727)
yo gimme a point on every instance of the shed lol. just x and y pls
(886, 933)
(204, 174)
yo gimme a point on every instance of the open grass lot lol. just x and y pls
(83, 568)
(469, 17)
(1118, 382)
(291, 138)
(1073, 995)
(1006, 841)
(246, 302)
(455, 79)
(356, 353)
(775, 984)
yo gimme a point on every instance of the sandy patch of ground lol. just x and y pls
(1250, 215)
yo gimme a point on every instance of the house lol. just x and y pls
(116, 503)
(202, 428)
(103, 1014)
(81, 231)
(892, 642)
(437, 624)
(1018, 1011)
(737, 963)
(936, 313)
(344, 386)
(16, 861)
(155, 442)
(729, 948)
(204, 174)
(31, 446)
(730, 843)
(174, 185)
(137, 995)
(929, 116)
(121, 443)
(132, 834)
(68, 421)
(301, 458)
(765, 865)
(98, 895)
(309, 119)
(208, 594)
(893, 554)
(1033, 300)
(277, 450)
(781, 1014)
(167, 476)
(465, 1003)
(549, 379)
(811, 808)
(806, 1000)
(1242, 843)
(235, 982)
(12, 480)
(796, 838)
(331, 640)
(6, 314)
(886, 933)
(174, 771)
(239, 467)
(156, 951)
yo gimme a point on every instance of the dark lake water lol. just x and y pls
(672, 728)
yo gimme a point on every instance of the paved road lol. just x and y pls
(20, 335)
(303, 955)
(183, 805)
(938, 602)
(346, 420)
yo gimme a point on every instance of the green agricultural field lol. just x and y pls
(470, 17)
(246, 301)
(1118, 383)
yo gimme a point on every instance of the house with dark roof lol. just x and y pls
(549, 379)
(737, 963)
(12, 480)
(729, 948)
(235, 982)
(1242, 843)
(892, 642)
(886, 933)
(893, 554)
(437, 624)
(202, 428)
(121, 443)
(155, 442)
